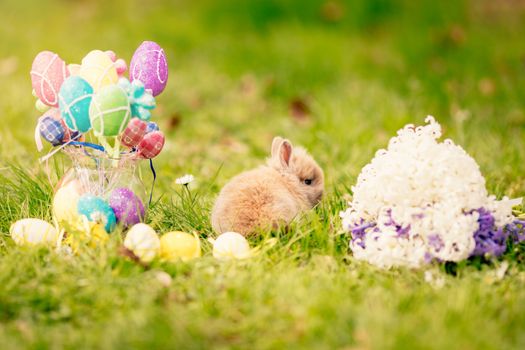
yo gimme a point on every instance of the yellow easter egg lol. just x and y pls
(178, 245)
(65, 206)
(143, 241)
(33, 232)
(98, 70)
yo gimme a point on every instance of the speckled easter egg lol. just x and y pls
(97, 210)
(128, 208)
(150, 66)
(134, 133)
(48, 72)
(74, 101)
(231, 245)
(143, 241)
(178, 245)
(98, 70)
(151, 145)
(33, 232)
(52, 130)
(109, 111)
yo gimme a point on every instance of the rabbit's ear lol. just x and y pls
(276, 143)
(285, 153)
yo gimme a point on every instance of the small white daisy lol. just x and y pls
(184, 180)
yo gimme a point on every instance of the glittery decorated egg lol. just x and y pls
(128, 208)
(33, 232)
(48, 72)
(152, 126)
(178, 245)
(150, 66)
(109, 111)
(74, 101)
(151, 145)
(65, 205)
(98, 70)
(231, 245)
(97, 210)
(143, 241)
(52, 130)
(133, 133)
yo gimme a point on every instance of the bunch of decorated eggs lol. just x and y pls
(95, 95)
(142, 241)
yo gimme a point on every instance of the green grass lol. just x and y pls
(363, 70)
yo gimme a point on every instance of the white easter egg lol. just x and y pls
(33, 232)
(143, 241)
(231, 245)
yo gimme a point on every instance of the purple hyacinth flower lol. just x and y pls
(489, 238)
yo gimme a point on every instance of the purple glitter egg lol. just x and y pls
(128, 208)
(149, 65)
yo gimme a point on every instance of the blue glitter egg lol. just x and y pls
(74, 100)
(97, 210)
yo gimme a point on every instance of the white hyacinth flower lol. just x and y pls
(419, 200)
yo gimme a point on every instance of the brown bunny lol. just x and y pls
(273, 194)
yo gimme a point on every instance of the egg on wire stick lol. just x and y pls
(95, 95)
(109, 114)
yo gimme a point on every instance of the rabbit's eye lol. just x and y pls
(308, 181)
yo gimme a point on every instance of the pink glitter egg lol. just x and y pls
(149, 65)
(151, 145)
(48, 72)
(134, 132)
(128, 208)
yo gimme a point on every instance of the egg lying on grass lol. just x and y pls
(33, 232)
(231, 245)
(175, 246)
(143, 241)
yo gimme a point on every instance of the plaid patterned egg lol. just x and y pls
(134, 132)
(151, 145)
(52, 131)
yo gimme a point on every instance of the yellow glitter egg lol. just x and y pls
(98, 70)
(231, 245)
(33, 232)
(143, 241)
(179, 245)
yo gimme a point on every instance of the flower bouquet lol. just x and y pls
(422, 200)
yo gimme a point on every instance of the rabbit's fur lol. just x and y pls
(270, 195)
